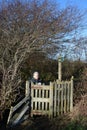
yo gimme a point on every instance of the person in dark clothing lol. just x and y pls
(36, 79)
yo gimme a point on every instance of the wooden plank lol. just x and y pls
(46, 87)
(38, 105)
(65, 98)
(41, 99)
(20, 103)
(61, 99)
(58, 101)
(39, 93)
(68, 97)
(71, 95)
(21, 114)
(42, 93)
(55, 99)
(10, 115)
(32, 103)
(36, 112)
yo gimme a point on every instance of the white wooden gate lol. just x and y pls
(42, 100)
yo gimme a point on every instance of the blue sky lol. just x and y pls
(82, 4)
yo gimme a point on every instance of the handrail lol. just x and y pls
(24, 100)
(20, 103)
(13, 109)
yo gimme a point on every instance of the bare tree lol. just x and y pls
(25, 28)
(82, 47)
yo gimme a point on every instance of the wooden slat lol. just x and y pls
(39, 93)
(20, 103)
(61, 98)
(58, 101)
(68, 97)
(21, 114)
(41, 99)
(55, 99)
(65, 98)
(71, 95)
(42, 93)
(10, 115)
(38, 105)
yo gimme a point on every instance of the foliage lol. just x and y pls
(77, 124)
(48, 68)
(45, 66)
(74, 68)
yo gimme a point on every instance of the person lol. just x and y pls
(36, 79)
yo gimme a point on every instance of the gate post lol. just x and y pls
(59, 69)
(27, 90)
(51, 100)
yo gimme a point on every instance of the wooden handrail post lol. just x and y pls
(27, 91)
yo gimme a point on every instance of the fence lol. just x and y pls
(52, 100)
(63, 97)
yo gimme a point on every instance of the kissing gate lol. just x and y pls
(51, 100)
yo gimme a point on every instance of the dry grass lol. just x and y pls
(80, 109)
(75, 119)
